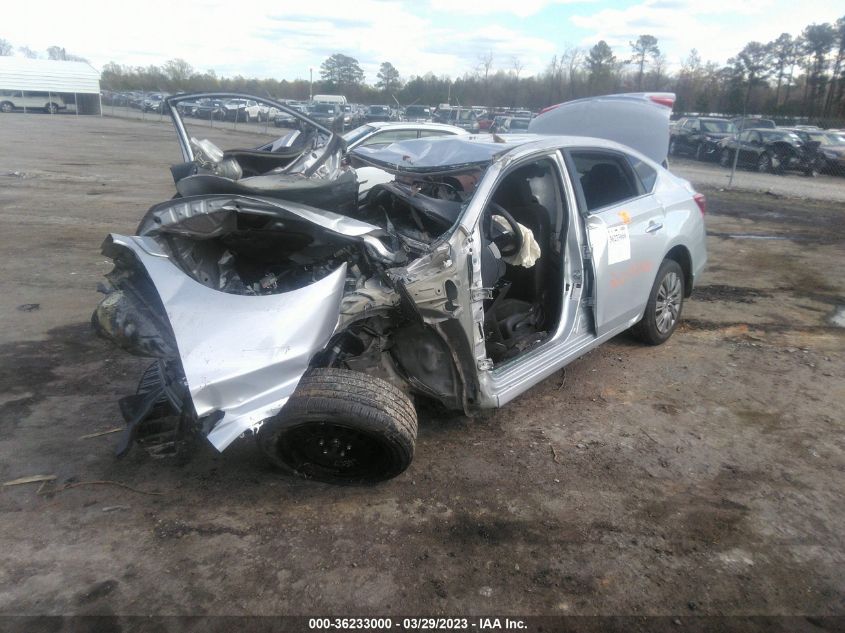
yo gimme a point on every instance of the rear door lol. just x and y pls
(624, 224)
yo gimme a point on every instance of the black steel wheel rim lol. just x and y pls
(333, 450)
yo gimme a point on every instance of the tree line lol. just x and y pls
(791, 76)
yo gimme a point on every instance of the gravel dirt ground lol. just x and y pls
(701, 477)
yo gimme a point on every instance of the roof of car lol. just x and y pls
(423, 125)
(451, 153)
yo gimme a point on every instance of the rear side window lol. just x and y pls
(425, 133)
(646, 173)
(606, 178)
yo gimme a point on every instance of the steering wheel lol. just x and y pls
(508, 242)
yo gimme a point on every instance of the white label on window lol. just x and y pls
(618, 244)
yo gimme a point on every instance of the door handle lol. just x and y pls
(653, 227)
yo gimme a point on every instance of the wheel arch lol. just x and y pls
(682, 256)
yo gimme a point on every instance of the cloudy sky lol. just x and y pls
(283, 39)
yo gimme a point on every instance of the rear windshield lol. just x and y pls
(768, 137)
(379, 109)
(717, 126)
(417, 111)
(323, 108)
(462, 115)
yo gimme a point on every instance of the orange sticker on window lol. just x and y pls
(625, 217)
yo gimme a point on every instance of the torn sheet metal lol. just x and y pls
(242, 355)
(195, 216)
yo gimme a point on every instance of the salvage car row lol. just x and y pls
(759, 144)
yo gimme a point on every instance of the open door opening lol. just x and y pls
(522, 260)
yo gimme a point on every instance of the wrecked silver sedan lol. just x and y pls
(487, 264)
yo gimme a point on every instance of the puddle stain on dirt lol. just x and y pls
(838, 316)
(722, 292)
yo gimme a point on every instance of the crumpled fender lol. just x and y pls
(241, 355)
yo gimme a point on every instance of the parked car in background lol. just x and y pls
(325, 113)
(511, 124)
(242, 110)
(485, 121)
(380, 134)
(831, 146)
(417, 114)
(699, 137)
(771, 151)
(462, 117)
(154, 103)
(210, 109)
(378, 113)
(43, 101)
(351, 115)
(284, 119)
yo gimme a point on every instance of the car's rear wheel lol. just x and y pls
(6, 107)
(725, 158)
(764, 163)
(673, 148)
(51, 108)
(665, 303)
(699, 151)
(343, 427)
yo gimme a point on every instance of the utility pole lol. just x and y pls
(311, 84)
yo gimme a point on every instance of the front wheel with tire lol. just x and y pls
(725, 158)
(764, 163)
(665, 302)
(699, 152)
(673, 148)
(6, 107)
(343, 427)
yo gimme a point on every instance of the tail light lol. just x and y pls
(701, 201)
(664, 99)
(546, 109)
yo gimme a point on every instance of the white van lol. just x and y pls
(48, 102)
(338, 99)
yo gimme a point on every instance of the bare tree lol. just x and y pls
(27, 52)
(645, 46)
(782, 53)
(485, 64)
(517, 66)
(5, 47)
(572, 57)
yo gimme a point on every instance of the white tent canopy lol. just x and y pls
(47, 75)
(20, 74)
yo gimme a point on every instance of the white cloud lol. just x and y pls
(718, 29)
(521, 8)
(266, 39)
